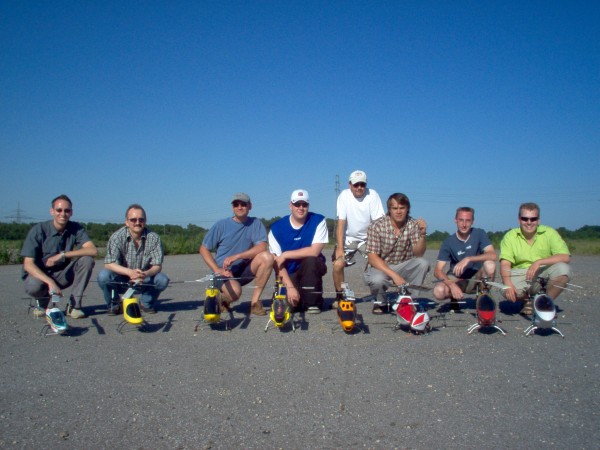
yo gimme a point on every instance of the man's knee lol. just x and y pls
(422, 264)
(35, 287)
(440, 291)
(161, 281)
(86, 263)
(489, 267)
(104, 277)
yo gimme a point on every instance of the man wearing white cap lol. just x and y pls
(240, 243)
(357, 207)
(297, 241)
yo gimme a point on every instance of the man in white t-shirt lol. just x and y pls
(357, 207)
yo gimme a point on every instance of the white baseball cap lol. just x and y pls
(358, 176)
(300, 195)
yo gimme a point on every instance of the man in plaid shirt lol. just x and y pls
(396, 244)
(134, 255)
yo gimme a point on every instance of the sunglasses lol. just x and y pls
(136, 220)
(360, 184)
(238, 204)
(529, 219)
(66, 210)
(300, 204)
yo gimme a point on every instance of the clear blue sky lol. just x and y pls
(177, 105)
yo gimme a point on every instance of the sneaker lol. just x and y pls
(114, 310)
(527, 309)
(75, 313)
(56, 320)
(377, 310)
(257, 309)
(148, 309)
(38, 311)
(334, 305)
(313, 310)
(226, 307)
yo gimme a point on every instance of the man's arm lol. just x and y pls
(377, 262)
(558, 258)
(505, 272)
(440, 274)
(420, 246)
(34, 271)
(301, 253)
(209, 259)
(248, 254)
(87, 249)
(489, 254)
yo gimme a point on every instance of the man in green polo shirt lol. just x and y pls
(533, 251)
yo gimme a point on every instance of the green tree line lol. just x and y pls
(179, 240)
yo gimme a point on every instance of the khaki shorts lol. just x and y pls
(469, 285)
(549, 272)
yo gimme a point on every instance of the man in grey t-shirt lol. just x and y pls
(241, 255)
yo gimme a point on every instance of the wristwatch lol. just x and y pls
(62, 256)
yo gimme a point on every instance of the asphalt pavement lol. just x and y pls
(184, 385)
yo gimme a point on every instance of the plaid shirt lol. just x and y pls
(393, 249)
(121, 250)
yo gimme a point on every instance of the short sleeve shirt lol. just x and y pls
(228, 237)
(515, 248)
(393, 249)
(44, 240)
(121, 249)
(454, 250)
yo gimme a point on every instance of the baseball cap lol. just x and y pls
(358, 176)
(300, 195)
(241, 197)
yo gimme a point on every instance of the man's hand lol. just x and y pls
(136, 275)
(511, 293)
(532, 270)
(460, 267)
(422, 225)
(227, 262)
(398, 280)
(455, 291)
(293, 295)
(54, 260)
(53, 287)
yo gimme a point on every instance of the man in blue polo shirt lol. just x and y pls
(471, 256)
(241, 255)
(297, 241)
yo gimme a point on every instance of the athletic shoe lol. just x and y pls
(148, 309)
(313, 310)
(75, 313)
(114, 309)
(56, 320)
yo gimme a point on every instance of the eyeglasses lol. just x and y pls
(300, 204)
(136, 220)
(65, 210)
(360, 184)
(238, 204)
(529, 219)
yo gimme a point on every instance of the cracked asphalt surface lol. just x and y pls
(182, 384)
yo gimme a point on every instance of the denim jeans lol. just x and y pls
(113, 284)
